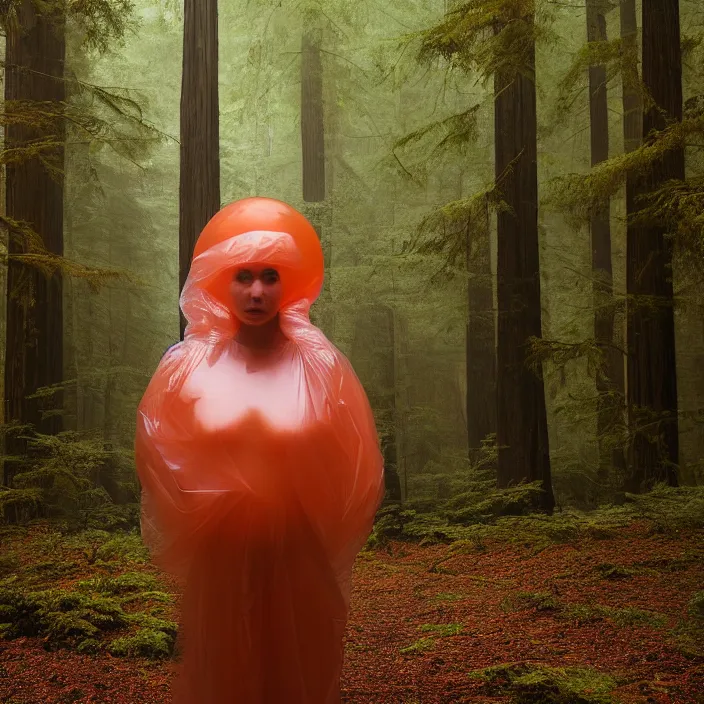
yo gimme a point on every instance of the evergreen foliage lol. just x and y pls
(74, 480)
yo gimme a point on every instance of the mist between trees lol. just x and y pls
(509, 196)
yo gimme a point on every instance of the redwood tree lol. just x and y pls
(610, 379)
(374, 357)
(34, 73)
(522, 428)
(199, 191)
(313, 155)
(652, 374)
(481, 338)
(373, 350)
(497, 40)
(312, 117)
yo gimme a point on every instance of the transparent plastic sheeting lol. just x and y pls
(258, 487)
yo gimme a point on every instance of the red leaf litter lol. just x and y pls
(396, 592)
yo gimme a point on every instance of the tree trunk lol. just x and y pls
(34, 72)
(632, 99)
(199, 191)
(610, 379)
(313, 157)
(481, 340)
(312, 117)
(522, 429)
(374, 357)
(652, 372)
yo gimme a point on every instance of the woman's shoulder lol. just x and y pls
(170, 347)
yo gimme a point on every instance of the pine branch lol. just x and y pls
(581, 195)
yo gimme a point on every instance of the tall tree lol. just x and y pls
(313, 130)
(522, 428)
(496, 38)
(314, 158)
(652, 372)
(632, 99)
(374, 349)
(481, 336)
(610, 379)
(34, 74)
(312, 115)
(199, 191)
(374, 357)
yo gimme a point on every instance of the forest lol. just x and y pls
(510, 199)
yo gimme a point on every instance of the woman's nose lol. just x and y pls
(256, 289)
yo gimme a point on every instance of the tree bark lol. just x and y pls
(374, 357)
(481, 340)
(522, 430)
(34, 72)
(312, 117)
(632, 98)
(199, 191)
(610, 379)
(652, 372)
(314, 157)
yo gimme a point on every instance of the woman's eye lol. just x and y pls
(243, 277)
(271, 277)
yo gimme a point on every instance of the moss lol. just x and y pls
(669, 509)
(148, 596)
(442, 630)
(49, 571)
(582, 613)
(614, 572)
(539, 601)
(146, 643)
(582, 195)
(89, 646)
(154, 624)
(531, 684)
(628, 616)
(62, 627)
(695, 607)
(467, 38)
(127, 583)
(419, 646)
(124, 548)
(9, 563)
(689, 633)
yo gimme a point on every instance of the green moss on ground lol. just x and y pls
(582, 613)
(689, 633)
(533, 684)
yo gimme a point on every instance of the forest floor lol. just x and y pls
(614, 618)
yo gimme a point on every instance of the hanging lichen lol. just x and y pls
(487, 37)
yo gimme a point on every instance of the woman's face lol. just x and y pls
(256, 292)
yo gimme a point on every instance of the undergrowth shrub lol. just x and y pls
(504, 515)
(73, 479)
(63, 618)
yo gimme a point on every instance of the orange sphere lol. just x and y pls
(251, 214)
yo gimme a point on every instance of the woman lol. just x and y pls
(260, 467)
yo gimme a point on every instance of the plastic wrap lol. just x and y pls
(258, 487)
